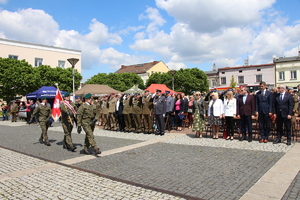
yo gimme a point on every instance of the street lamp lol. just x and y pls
(173, 73)
(73, 62)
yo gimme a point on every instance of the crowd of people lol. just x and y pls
(154, 113)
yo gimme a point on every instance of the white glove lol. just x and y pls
(153, 95)
(164, 115)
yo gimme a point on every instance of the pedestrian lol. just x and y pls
(87, 118)
(230, 114)
(215, 113)
(14, 110)
(283, 109)
(178, 111)
(4, 112)
(44, 112)
(159, 102)
(246, 111)
(127, 110)
(199, 113)
(68, 111)
(169, 111)
(111, 104)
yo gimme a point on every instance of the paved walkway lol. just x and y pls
(138, 166)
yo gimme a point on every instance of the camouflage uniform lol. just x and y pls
(126, 112)
(104, 113)
(147, 113)
(111, 103)
(85, 116)
(14, 110)
(67, 120)
(137, 112)
(44, 112)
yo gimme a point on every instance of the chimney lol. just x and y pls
(122, 66)
(155, 62)
(214, 67)
(246, 63)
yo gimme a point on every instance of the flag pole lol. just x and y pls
(64, 104)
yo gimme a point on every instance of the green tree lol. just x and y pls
(47, 76)
(121, 82)
(160, 78)
(16, 78)
(188, 80)
(232, 82)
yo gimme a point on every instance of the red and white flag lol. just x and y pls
(56, 110)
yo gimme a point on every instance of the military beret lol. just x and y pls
(230, 89)
(147, 91)
(112, 94)
(167, 92)
(106, 96)
(67, 94)
(136, 94)
(298, 85)
(88, 95)
(42, 98)
(158, 90)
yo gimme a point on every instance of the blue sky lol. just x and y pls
(181, 33)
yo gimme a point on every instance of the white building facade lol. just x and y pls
(37, 54)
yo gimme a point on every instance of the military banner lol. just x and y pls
(56, 110)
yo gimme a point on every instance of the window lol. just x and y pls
(38, 62)
(223, 72)
(281, 75)
(61, 63)
(240, 79)
(213, 83)
(13, 57)
(258, 70)
(240, 71)
(258, 78)
(293, 74)
(223, 80)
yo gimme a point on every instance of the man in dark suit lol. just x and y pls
(119, 112)
(246, 111)
(264, 109)
(283, 109)
(160, 106)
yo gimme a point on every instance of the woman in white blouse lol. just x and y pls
(215, 113)
(229, 113)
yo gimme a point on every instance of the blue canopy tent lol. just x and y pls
(46, 91)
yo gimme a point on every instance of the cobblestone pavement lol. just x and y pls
(169, 167)
(293, 191)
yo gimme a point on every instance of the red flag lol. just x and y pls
(55, 110)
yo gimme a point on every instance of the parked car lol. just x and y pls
(22, 114)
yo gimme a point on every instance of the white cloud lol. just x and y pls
(3, 1)
(208, 16)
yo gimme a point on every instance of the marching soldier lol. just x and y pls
(137, 112)
(44, 112)
(147, 112)
(14, 110)
(87, 118)
(111, 110)
(68, 111)
(159, 112)
(127, 106)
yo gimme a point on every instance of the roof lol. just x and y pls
(134, 89)
(33, 45)
(137, 68)
(211, 72)
(153, 87)
(95, 90)
(44, 91)
(249, 66)
(286, 59)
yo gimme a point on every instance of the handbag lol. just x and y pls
(181, 116)
(225, 134)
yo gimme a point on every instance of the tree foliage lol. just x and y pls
(17, 77)
(121, 82)
(185, 80)
(232, 82)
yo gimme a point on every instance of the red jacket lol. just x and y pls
(248, 108)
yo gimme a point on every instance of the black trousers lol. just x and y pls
(246, 121)
(280, 121)
(229, 125)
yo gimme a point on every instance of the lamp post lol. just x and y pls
(73, 62)
(173, 73)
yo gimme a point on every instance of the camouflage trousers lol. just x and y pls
(128, 122)
(67, 127)
(112, 121)
(44, 127)
(88, 128)
(138, 122)
(13, 116)
(148, 123)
